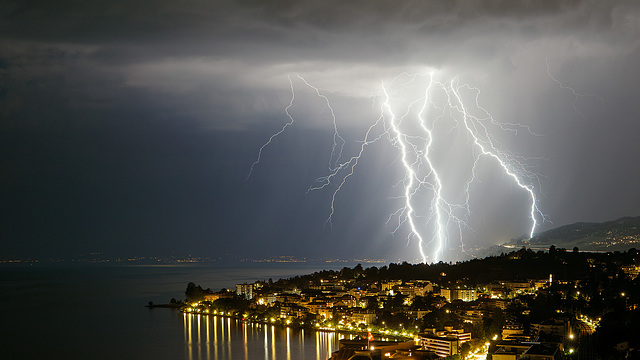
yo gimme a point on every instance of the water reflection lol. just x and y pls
(216, 337)
(208, 325)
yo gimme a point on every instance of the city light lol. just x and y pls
(345, 320)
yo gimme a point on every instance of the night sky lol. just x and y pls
(129, 127)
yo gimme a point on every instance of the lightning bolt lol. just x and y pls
(403, 120)
(284, 127)
(576, 94)
(415, 152)
(487, 147)
(338, 141)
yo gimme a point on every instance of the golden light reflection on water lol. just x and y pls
(208, 337)
(273, 343)
(200, 337)
(186, 326)
(266, 343)
(245, 341)
(216, 337)
(215, 334)
(325, 344)
(229, 335)
(188, 336)
(288, 344)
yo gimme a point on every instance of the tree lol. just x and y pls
(372, 303)
(357, 270)
(194, 292)
(346, 273)
(494, 326)
(465, 349)
(477, 332)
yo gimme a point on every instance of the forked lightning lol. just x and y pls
(413, 110)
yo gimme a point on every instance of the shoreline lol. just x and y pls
(362, 333)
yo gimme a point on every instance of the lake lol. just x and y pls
(98, 312)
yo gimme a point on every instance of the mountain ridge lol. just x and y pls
(614, 235)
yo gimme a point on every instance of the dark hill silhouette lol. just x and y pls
(616, 235)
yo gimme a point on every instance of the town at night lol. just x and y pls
(283, 180)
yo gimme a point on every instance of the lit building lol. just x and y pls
(631, 270)
(559, 327)
(510, 350)
(512, 330)
(459, 294)
(288, 310)
(388, 285)
(218, 295)
(363, 317)
(245, 290)
(362, 349)
(514, 350)
(543, 352)
(444, 343)
(316, 306)
(416, 314)
(326, 313)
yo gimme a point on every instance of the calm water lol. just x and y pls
(213, 337)
(97, 312)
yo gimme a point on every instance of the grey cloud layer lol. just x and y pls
(218, 27)
(251, 45)
(223, 65)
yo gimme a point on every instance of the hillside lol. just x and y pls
(616, 235)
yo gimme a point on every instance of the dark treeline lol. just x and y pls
(518, 265)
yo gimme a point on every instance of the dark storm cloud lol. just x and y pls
(272, 38)
(141, 29)
(129, 84)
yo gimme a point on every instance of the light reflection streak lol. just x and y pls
(186, 327)
(244, 341)
(199, 338)
(189, 342)
(208, 325)
(288, 344)
(266, 342)
(301, 341)
(227, 338)
(189, 329)
(222, 333)
(324, 343)
(215, 335)
(273, 342)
